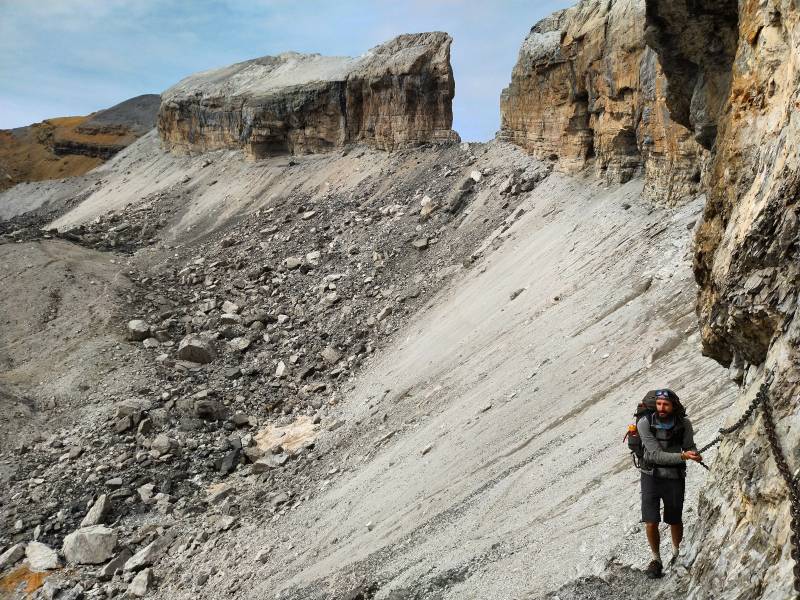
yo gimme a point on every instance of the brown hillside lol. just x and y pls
(69, 146)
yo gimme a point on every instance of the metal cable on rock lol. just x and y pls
(792, 484)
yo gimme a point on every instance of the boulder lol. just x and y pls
(90, 545)
(230, 307)
(420, 243)
(147, 555)
(282, 370)
(209, 410)
(11, 556)
(163, 444)
(98, 512)
(293, 262)
(331, 355)
(41, 557)
(427, 206)
(142, 583)
(195, 349)
(138, 330)
(106, 572)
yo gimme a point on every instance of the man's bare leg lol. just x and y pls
(654, 539)
(676, 529)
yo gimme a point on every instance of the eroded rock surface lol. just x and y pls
(397, 94)
(739, 89)
(587, 90)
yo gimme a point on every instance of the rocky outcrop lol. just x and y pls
(587, 91)
(69, 146)
(396, 95)
(734, 78)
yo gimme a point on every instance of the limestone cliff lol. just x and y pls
(586, 90)
(397, 94)
(734, 77)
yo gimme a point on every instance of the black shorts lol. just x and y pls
(668, 491)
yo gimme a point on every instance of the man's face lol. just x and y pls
(664, 407)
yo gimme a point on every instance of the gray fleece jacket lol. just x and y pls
(653, 453)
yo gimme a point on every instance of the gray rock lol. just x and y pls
(146, 556)
(98, 512)
(330, 355)
(90, 545)
(427, 206)
(230, 307)
(242, 420)
(209, 410)
(225, 522)
(420, 243)
(74, 593)
(145, 427)
(41, 557)
(219, 493)
(293, 263)
(52, 588)
(229, 462)
(195, 349)
(123, 424)
(146, 492)
(282, 370)
(278, 499)
(106, 572)
(230, 318)
(387, 310)
(138, 330)
(313, 258)
(11, 556)
(142, 583)
(239, 344)
(163, 444)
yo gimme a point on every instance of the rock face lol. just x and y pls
(586, 90)
(396, 95)
(734, 78)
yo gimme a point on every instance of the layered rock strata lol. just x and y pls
(586, 90)
(69, 146)
(397, 94)
(734, 78)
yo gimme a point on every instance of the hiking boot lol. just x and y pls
(654, 570)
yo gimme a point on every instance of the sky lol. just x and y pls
(73, 57)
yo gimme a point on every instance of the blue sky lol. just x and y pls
(72, 57)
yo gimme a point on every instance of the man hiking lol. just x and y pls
(668, 440)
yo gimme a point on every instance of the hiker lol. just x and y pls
(668, 442)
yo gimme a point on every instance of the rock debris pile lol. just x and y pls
(245, 346)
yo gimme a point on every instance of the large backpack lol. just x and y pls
(647, 408)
